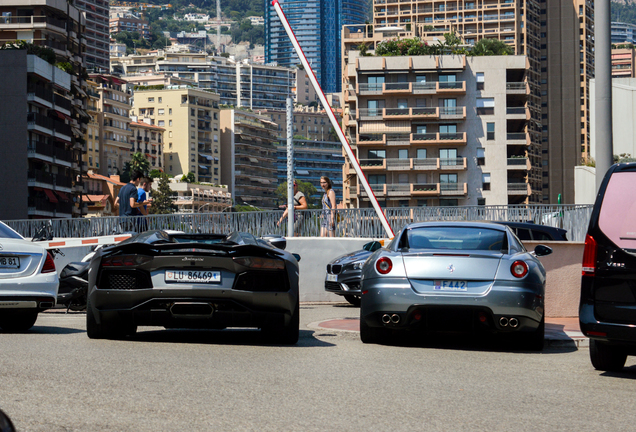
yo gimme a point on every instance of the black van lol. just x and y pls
(607, 312)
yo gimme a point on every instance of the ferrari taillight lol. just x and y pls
(260, 263)
(49, 264)
(519, 269)
(125, 260)
(383, 265)
(589, 256)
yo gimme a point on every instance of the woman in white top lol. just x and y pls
(328, 215)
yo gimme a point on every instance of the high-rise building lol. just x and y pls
(558, 39)
(248, 157)
(623, 63)
(191, 120)
(439, 130)
(317, 25)
(97, 34)
(115, 136)
(43, 115)
(147, 139)
(623, 33)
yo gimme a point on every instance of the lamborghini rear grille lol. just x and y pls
(262, 281)
(124, 280)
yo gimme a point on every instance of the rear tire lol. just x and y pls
(93, 330)
(535, 340)
(286, 334)
(607, 357)
(353, 299)
(18, 320)
(371, 334)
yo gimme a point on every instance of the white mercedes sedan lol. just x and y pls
(28, 281)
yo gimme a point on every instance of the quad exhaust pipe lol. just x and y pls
(391, 319)
(512, 322)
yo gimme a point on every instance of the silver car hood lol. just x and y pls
(460, 265)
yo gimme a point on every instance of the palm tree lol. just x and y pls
(139, 163)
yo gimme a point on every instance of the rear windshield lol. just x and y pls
(617, 218)
(6, 232)
(457, 238)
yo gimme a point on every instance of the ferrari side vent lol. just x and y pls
(262, 281)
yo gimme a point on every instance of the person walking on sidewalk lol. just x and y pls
(142, 195)
(328, 215)
(300, 203)
(127, 201)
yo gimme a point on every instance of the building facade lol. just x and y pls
(623, 63)
(317, 25)
(248, 157)
(147, 139)
(191, 141)
(115, 135)
(623, 33)
(97, 36)
(439, 130)
(128, 22)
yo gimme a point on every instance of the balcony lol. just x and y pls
(518, 138)
(445, 87)
(371, 139)
(517, 88)
(452, 113)
(403, 190)
(518, 113)
(519, 189)
(379, 190)
(456, 138)
(425, 189)
(43, 207)
(453, 188)
(519, 163)
(451, 87)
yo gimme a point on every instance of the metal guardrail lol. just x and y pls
(352, 222)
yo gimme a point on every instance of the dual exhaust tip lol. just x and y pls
(390, 318)
(512, 322)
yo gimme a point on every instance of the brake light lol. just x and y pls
(125, 260)
(519, 269)
(589, 256)
(49, 264)
(260, 263)
(383, 265)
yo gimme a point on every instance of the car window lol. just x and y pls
(522, 233)
(617, 217)
(6, 232)
(541, 236)
(457, 238)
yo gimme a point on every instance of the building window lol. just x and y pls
(481, 201)
(161, 123)
(160, 111)
(151, 99)
(490, 131)
(480, 81)
(169, 122)
(485, 106)
(169, 111)
(160, 100)
(445, 202)
(403, 154)
(485, 179)
(481, 156)
(170, 145)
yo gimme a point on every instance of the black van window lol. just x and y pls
(617, 218)
(523, 234)
(541, 236)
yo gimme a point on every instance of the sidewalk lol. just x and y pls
(558, 331)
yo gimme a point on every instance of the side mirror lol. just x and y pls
(542, 250)
(277, 241)
(296, 256)
(372, 246)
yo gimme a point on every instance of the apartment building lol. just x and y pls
(623, 63)
(97, 36)
(43, 112)
(148, 140)
(622, 33)
(248, 157)
(556, 36)
(115, 135)
(309, 122)
(198, 198)
(94, 129)
(190, 117)
(128, 22)
(439, 130)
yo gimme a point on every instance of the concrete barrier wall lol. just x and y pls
(563, 269)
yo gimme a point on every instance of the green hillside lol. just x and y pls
(624, 11)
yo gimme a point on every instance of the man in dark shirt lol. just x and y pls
(127, 199)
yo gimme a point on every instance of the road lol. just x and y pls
(56, 379)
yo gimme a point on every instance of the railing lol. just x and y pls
(513, 136)
(518, 161)
(355, 222)
(516, 110)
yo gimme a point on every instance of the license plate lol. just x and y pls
(193, 276)
(332, 278)
(450, 285)
(9, 262)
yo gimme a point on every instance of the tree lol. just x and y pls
(188, 178)
(305, 187)
(139, 163)
(155, 173)
(162, 202)
(486, 47)
(124, 175)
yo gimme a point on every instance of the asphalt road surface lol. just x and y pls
(56, 379)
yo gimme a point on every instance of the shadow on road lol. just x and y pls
(36, 329)
(467, 342)
(626, 373)
(222, 337)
